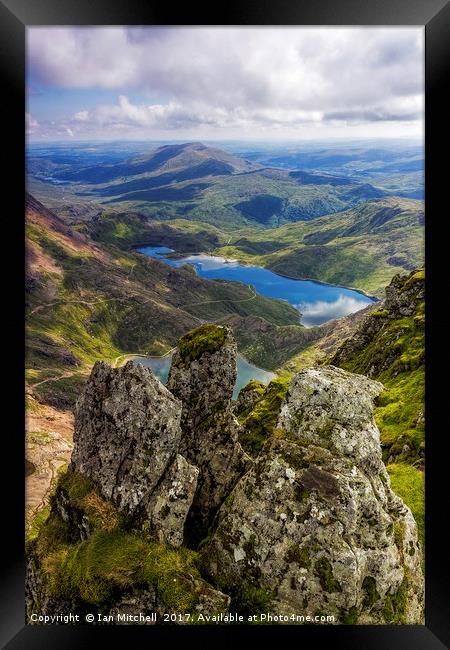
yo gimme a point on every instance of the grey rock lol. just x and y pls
(133, 603)
(210, 430)
(127, 434)
(169, 504)
(315, 523)
(332, 406)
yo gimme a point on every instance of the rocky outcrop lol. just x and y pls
(202, 376)
(404, 298)
(127, 434)
(314, 525)
(389, 345)
(309, 525)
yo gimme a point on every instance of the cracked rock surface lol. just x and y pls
(315, 523)
(204, 384)
(127, 434)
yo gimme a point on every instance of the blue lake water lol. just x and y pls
(317, 302)
(245, 370)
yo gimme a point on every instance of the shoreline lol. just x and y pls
(281, 275)
(327, 284)
(131, 357)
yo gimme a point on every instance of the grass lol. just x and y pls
(398, 416)
(409, 483)
(38, 522)
(91, 570)
(112, 558)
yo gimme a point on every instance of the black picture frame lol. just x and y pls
(434, 15)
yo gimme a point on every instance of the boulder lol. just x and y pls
(127, 434)
(314, 526)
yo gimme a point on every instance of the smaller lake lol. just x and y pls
(317, 302)
(245, 370)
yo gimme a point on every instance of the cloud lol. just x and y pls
(81, 116)
(30, 123)
(318, 312)
(234, 77)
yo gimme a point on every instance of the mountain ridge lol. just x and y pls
(204, 183)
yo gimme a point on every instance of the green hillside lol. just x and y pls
(88, 301)
(363, 247)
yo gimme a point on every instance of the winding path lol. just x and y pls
(129, 299)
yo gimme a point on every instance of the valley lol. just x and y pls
(128, 250)
(330, 221)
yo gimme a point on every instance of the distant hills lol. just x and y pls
(327, 223)
(362, 247)
(170, 161)
(196, 182)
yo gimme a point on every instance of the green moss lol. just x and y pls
(394, 606)
(229, 500)
(252, 600)
(260, 423)
(415, 276)
(53, 535)
(328, 582)
(299, 555)
(327, 429)
(399, 534)
(349, 617)
(256, 388)
(409, 483)
(165, 510)
(254, 385)
(379, 313)
(371, 594)
(76, 485)
(84, 496)
(38, 521)
(207, 338)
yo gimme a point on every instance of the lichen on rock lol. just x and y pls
(315, 521)
(202, 376)
(127, 434)
(309, 525)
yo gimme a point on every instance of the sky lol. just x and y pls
(208, 83)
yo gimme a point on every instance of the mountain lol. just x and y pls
(172, 161)
(200, 183)
(162, 513)
(394, 166)
(363, 247)
(88, 300)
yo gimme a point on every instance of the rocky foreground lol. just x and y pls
(163, 511)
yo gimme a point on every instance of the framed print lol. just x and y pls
(234, 324)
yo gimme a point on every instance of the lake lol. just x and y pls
(245, 370)
(317, 302)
